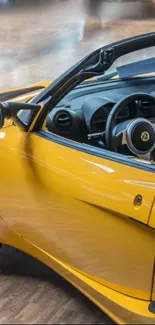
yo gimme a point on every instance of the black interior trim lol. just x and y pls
(115, 157)
(117, 82)
(113, 84)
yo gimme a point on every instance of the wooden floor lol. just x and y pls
(31, 293)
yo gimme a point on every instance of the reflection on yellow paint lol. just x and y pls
(2, 135)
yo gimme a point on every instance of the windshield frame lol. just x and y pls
(103, 57)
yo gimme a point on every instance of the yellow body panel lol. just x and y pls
(27, 88)
(122, 309)
(153, 289)
(152, 216)
(77, 213)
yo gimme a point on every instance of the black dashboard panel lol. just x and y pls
(93, 103)
(112, 91)
(96, 110)
(99, 99)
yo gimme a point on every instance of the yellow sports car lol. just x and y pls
(77, 176)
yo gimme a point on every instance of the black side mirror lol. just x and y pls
(9, 110)
(1, 116)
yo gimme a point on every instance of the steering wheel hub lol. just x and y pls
(140, 136)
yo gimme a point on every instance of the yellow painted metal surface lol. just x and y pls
(122, 309)
(76, 207)
(153, 289)
(152, 216)
(77, 213)
(29, 93)
(39, 84)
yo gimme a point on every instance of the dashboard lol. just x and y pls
(85, 110)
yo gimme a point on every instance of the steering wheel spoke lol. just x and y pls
(118, 139)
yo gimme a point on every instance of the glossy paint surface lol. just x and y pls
(152, 216)
(120, 308)
(80, 211)
(153, 289)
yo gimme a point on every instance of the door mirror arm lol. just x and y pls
(10, 110)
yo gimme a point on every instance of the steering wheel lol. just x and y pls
(138, 134)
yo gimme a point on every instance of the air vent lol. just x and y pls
(146, 107)
(63, 121)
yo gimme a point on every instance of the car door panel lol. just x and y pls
(153, 287)
(152, 216)
(76, 207)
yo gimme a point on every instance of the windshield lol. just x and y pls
(134, 64)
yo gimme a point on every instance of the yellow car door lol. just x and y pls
(85, 211)
(152, 216)
(152, 224)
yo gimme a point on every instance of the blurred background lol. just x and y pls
(39, 39)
